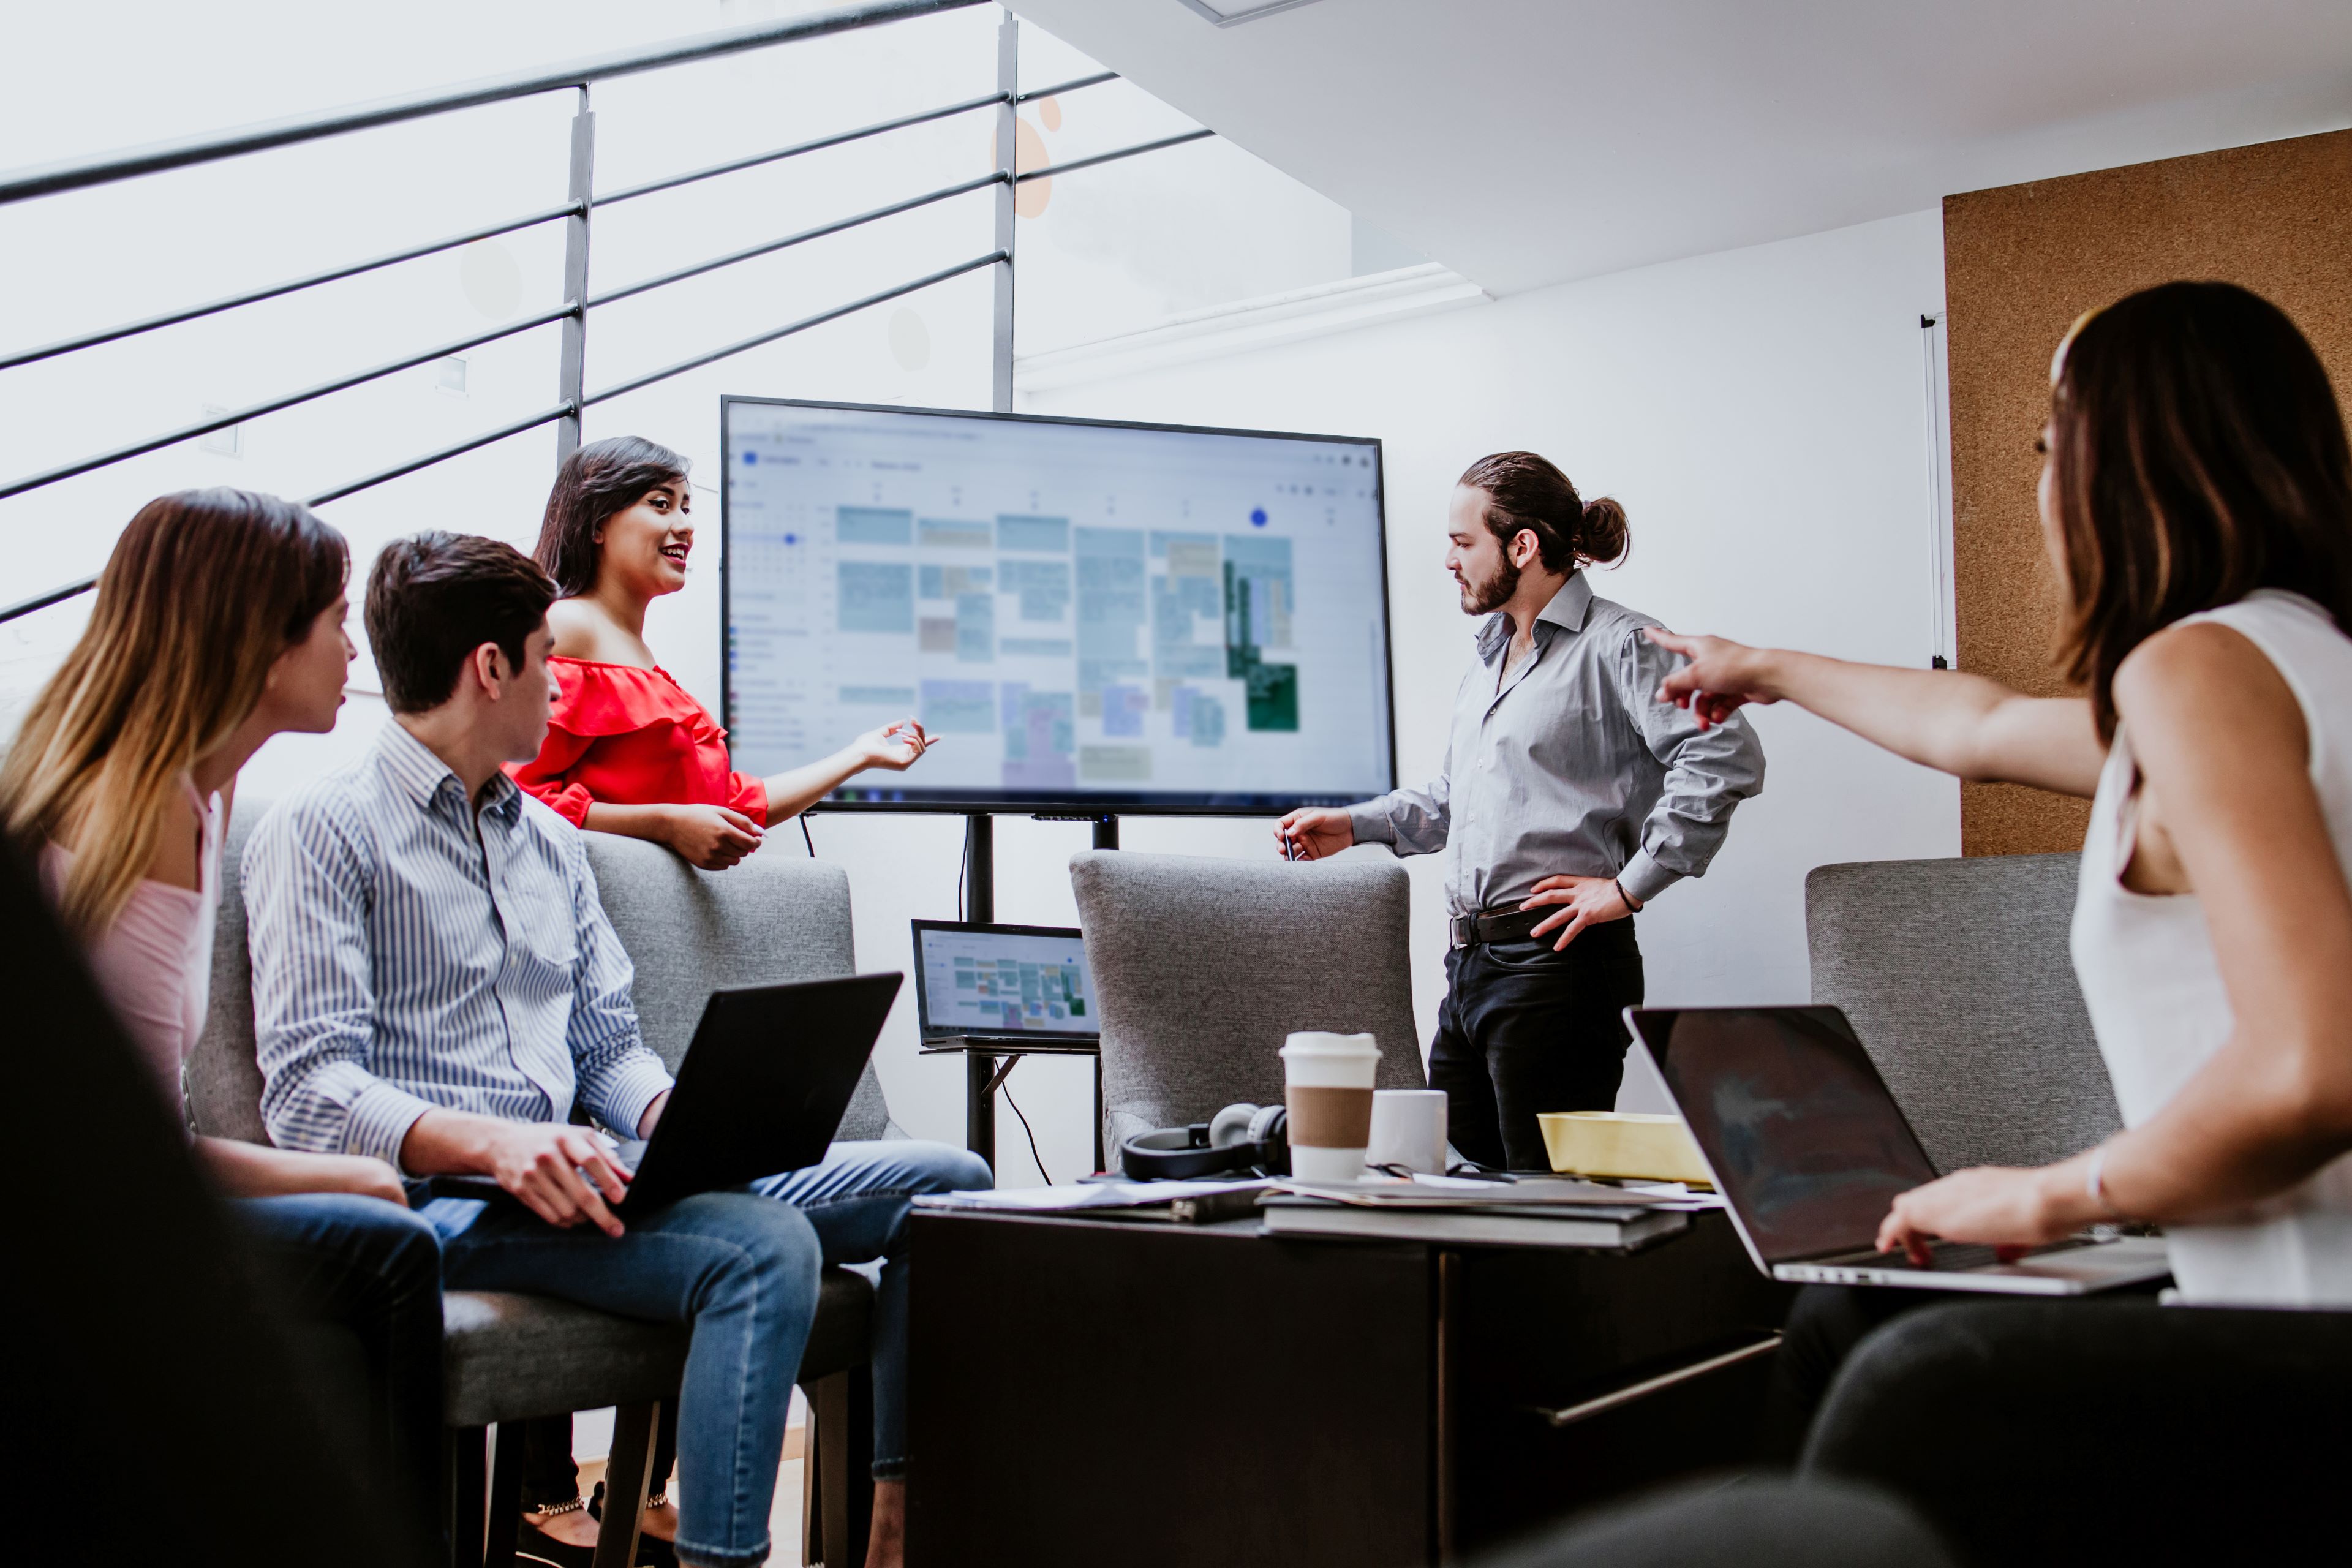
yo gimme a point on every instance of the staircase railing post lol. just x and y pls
(571, 374)
(1008, 154)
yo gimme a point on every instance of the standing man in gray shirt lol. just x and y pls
(1571, 795)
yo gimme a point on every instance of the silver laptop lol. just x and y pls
(1809, 1150)
(1024, 988)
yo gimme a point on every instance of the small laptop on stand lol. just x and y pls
(1808, 1149)
(1004, 990)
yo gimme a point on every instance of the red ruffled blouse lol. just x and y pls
(626, 736)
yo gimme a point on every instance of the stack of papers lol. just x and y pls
(1457, 1211)
(1085, 1196)
(1527, 1194)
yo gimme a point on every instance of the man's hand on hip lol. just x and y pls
(1583, 901)
(1312, 831)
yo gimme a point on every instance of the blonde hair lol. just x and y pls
(203, 591)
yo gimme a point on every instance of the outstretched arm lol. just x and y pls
(1961, 724)
(897, 747)
(2223, 747)
(1409, 821)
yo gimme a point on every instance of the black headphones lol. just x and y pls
(1239, 1140)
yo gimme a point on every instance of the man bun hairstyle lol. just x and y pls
(599, 479)
(434, 598)
(1527, 492)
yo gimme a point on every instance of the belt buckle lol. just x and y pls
(1462, 931)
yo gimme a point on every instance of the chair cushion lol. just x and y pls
(1203, 966)
(507, 1357)
(1956, 974)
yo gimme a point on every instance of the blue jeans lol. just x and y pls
(741, 1268)
(373, 1270)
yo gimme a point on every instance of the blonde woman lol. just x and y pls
(218, 624)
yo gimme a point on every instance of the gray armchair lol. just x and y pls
(1956, 975)
(1203, 966)
(508, 1357)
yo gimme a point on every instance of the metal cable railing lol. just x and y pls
(576, 214)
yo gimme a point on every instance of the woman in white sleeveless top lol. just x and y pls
(2197, 503)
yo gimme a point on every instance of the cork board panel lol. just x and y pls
(2020, 262)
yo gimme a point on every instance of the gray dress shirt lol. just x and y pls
(1570, 764)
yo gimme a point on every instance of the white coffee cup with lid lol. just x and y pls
(1327, 1089)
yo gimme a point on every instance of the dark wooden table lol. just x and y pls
(1085, 1392)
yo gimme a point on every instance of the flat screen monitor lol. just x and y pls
(978, 979)
(1087, 615)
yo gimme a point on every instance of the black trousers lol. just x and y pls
(1524, 1030)
(2105, 1430)
(550, 1476)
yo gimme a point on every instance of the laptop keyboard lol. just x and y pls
(1959, 1257)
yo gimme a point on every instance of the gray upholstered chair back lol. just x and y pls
(772, 918)
(1203, 966)
(224, 1085)
(1957, 977)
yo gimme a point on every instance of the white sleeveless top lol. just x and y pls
(2154, 992)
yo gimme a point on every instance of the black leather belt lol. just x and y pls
(1504, 925)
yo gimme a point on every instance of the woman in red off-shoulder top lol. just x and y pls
(628, 751)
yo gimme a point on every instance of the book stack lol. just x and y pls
(1529, 1212)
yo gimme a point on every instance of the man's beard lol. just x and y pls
(1484, 598)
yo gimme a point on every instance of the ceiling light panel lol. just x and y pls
(1233, 13)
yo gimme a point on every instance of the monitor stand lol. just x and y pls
(982, 1076)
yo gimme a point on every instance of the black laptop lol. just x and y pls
(761, 1090)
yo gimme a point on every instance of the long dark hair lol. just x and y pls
(1528, 492)
(599, 479)
(2200, 455)
(203, 591)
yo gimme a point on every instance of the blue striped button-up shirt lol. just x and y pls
(412, 954)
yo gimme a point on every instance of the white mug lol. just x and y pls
(1408, 1130)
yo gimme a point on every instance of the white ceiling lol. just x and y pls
(1528, 141)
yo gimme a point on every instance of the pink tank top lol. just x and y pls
(155, 961)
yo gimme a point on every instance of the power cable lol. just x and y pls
(1007, 1092)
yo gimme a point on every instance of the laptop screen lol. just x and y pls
(1804, 1140)
(1002, 979)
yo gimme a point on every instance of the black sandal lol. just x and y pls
(534, 1544)
(652, 1552)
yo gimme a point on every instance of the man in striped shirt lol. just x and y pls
(436, 984)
